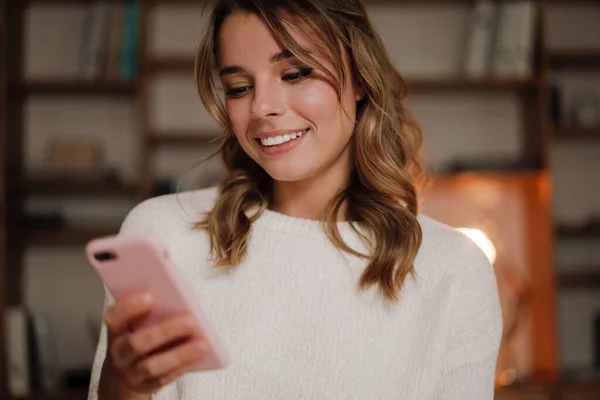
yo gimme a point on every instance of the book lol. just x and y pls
(513, 48)
(31, 356)
(43, 367)
(130, 41)
(95, 38)
(481, 38)
(115, 43)
(526, 27)
(17, 357)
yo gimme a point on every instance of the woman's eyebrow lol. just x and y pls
(282, 55)
(232, 69)
(236, 69)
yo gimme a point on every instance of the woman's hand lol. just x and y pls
(140, 363)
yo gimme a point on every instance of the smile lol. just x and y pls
(277, 140)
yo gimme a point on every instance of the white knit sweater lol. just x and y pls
(296, 326)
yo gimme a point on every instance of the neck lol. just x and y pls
(308, 198)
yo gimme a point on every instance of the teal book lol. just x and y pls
(129, 59)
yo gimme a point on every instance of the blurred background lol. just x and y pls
(99, 111)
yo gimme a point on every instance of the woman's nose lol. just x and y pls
(268, 101)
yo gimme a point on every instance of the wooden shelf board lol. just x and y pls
(515, 176)
(588, 278)
(195, 2)
(61, 2)
(414, 2)
(547, 386)
(78, 187)
(591, 231)
(78, 394)
(74, 87)
(171, 64)
(577, 133)
(186, 65)
(575, 58)
(182, 139)
(458, 84)
(72, 236)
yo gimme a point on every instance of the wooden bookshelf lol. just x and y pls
(589, 231)
(566, 389)
(532, 97)
(577, 133)
(465, 84)
(584, 278)
(73, 236)
(66, 186)
(60, 2)
(4, 178)
(575, 58)
(181, 139)
(171, 64)
(79, 394)
(186, 65)
(73, 87)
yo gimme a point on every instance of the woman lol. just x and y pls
(310, 259)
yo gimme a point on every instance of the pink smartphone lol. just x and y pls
(127, 264)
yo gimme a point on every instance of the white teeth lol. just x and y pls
(276, 140)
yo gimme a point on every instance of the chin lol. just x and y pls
(286, 174)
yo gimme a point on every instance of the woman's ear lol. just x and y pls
(359, 91)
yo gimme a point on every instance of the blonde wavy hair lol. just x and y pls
(381, 195)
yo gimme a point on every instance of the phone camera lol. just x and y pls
(106, 256)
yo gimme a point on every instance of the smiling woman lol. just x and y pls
(310, 258)
(316, 70)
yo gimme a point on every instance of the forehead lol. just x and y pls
(245, 37)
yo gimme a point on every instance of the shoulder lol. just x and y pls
(447, 251)
(454, 267)
(161, 213)
(451, 265)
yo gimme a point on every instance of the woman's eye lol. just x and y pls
(298, 75)
(237, 91)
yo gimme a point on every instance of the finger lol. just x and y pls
(155, 366)
(171, 376)
(130, 348)
(118, 317)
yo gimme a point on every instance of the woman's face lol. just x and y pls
(285, 115)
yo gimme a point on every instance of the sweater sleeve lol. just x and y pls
(100, 352)
(475, 329)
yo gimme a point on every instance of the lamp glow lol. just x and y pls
(481, 240)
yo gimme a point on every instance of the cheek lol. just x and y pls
(319, 104)
(317, 101)
(238, 114)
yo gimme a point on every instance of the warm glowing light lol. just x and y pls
(482, 241)
(507, 377)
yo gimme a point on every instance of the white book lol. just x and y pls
(504, 58)
(17, 352)
(481, 36)
(526, 24)
(95, 40)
